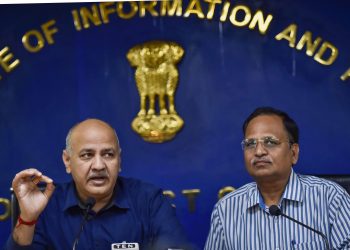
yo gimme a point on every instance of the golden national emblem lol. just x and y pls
(156, 79)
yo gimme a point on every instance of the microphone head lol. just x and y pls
(275, 210)
(90, 202)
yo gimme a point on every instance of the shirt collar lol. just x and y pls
(71, 199)
(121, 195)
(120, 198)
(293, 191)
(253, 196)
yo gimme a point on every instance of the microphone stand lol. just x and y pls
(90, 202)
(275, 210)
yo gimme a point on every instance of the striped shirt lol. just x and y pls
(238, 222)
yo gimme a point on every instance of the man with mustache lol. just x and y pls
(117, 210)
(242, 219)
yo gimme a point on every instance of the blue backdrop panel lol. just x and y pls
(226, 72)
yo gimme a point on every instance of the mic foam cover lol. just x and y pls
(274, 210)
(90, 202)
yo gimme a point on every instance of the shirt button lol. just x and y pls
(277, 248)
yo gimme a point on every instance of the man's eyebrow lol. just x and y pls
(84, 150)
(108, 150)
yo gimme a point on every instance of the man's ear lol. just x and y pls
(295, 153)
(120, 160)
(66, 161)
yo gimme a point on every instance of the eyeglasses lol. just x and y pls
(268, 142)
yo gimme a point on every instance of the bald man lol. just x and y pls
(96, 210)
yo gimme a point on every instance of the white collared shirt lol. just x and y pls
(239, 223)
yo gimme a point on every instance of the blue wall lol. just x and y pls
(225, 73)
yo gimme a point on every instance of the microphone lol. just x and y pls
(276, 211)
(90, 203)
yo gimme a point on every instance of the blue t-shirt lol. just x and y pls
(139, 213)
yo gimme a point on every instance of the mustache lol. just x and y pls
(262, 159)
(103, 174)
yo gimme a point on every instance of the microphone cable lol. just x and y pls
(90, 202)
(276, 211)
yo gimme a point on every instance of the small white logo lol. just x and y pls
(125, 245)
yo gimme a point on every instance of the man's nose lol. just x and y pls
(98, 163)
(260, 149)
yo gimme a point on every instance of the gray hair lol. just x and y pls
(69, 140)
